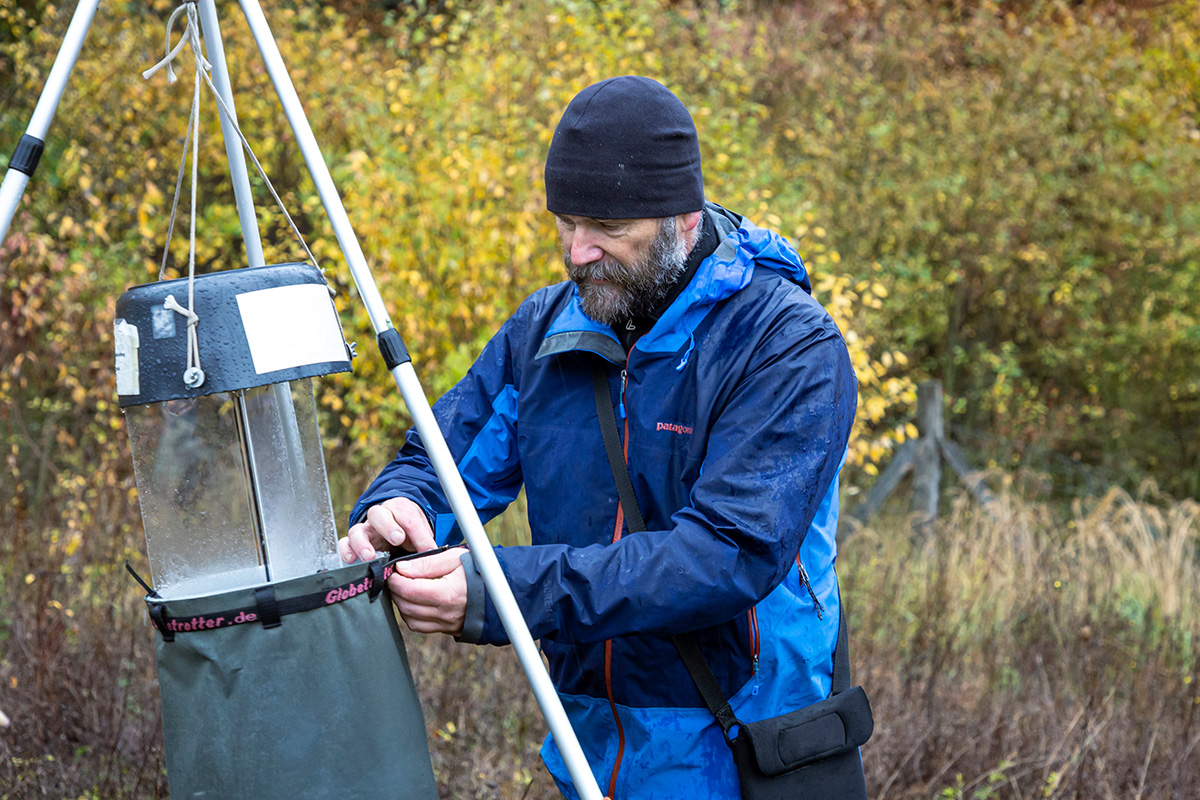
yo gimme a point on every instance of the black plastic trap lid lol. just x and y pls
(257, 326)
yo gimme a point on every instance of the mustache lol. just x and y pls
(606, 269)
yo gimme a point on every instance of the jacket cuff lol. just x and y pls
(472, 631)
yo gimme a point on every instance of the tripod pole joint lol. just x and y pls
(391, 346)
(28, 153)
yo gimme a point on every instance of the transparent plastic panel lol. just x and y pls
(195, 496)
(289, 477)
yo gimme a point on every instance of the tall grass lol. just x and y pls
(1024, 652)
(1019, 651)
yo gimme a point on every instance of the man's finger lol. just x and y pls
(412, 520)
(429, 626)
(384, 523)
(416, 612)
(423, 592)
(360, 542)
(433, 604)
(424, 618)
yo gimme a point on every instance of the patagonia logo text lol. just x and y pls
(673, 428)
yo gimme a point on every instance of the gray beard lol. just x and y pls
(634, 290)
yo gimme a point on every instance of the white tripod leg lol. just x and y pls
(29, 149)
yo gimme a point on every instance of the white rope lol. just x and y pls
(194, 38)
(189, 6)
(263, 174)
(162, 268)
(193, 376)
(193, 340)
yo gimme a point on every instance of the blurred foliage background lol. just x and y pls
(1000, 196)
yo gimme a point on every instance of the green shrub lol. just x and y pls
(1026, 191)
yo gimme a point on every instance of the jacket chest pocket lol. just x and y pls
(568, 484)
(663, 470)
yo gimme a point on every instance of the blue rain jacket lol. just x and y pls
(736, 409)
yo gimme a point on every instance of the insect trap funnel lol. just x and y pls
(266, 644)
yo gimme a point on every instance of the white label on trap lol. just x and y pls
(125, 337)
(291, 326)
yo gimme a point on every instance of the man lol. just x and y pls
(735, 396)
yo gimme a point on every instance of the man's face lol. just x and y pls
(623, 267)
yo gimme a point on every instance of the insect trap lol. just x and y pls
(265, 640)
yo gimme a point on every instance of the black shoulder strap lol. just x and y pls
(706, 682)
(686, 644)
(841, 653)
(612, 445)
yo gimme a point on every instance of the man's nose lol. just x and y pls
(584, 247)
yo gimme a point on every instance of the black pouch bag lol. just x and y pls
(810, 753)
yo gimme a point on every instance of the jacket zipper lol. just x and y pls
(752, 614)
(612, 781)
(755, 638)
(805, 583)
(621, 409)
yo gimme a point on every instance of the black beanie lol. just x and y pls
(625, 148)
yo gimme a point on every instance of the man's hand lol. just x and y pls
(398, 522)
(431, 593)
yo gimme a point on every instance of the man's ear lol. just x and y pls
(686, 223)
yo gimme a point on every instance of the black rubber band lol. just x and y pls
(268, 606)
(149, 590)
(158, 615)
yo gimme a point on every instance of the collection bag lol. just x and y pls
(293, 690)
(809, 754)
